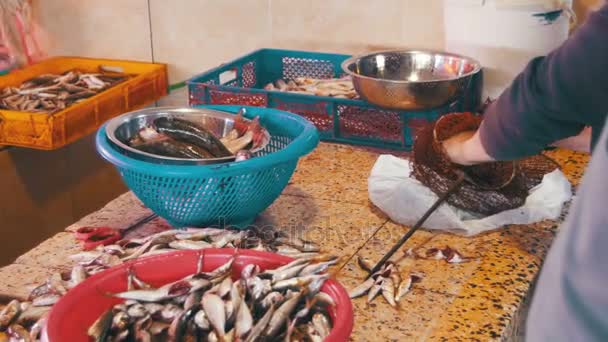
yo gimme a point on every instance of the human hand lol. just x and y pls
(465, 148)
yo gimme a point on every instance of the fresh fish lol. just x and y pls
(37, 327)
(100, 329)
(200, 234)
(170, 312)
(157, 328)
(31, 314)
(281, 315)
(318, 267)
(187, 244)
(225, 287)
(121, 320)
(174, 149)
(298, 282)
(388, 291)
(214, 308)
(77, 276)
(324, 299)
(232, 135)
(9, 313)
(153, 308)
(187, 131)
(201, 321)
(46, 300)
(365, 264)
(258, 287)
(236, 295)
(288, 273)
(272, 299)
(177, 331)
(321, 324)
(261, 325)
(192, 299)
(404, 288)
(137, 311)
(315, 285)
(375, 289)
(244, 321)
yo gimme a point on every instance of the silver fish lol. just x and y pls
(388, 291)
(315, 285)
(46, 300)
(201, 321)
(56, 284)
(77, 276)
(192, 299)
(281, 315)
(404, 288)
(170, 312)
(32, 314)
(225, 287)
(272, 299)
(288, 273)
(100, 329)
(258, 287)
(321, 324)
(298, 282)
(365, 264)
(244, 321)
(318, 267)
(261, 325)
(200, 234)
(214, 308)
(324, 299)
(300, 244)
(153, 308)
(37, 327)
(249, 271)
(187, 244)
(137, 311)
(375, 289)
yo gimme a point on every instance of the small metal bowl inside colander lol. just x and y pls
(120, 129)
(411, 80)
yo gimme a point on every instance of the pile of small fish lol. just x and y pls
(280, 304)
(332, 87)
(52, 93)
(104, 257)
(178, 138)
(22, 321)
(387, 281)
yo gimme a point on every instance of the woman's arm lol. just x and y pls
(553, 98)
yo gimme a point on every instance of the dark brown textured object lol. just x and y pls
(497, 186)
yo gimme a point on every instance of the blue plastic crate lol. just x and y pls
(358, 122)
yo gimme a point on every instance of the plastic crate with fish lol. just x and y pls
(59, 100)
(295, 81)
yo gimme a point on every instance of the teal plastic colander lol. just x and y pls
(230, 194)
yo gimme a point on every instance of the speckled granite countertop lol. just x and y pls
(326, 201)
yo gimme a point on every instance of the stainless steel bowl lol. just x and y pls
(120, 129)
(410, 80)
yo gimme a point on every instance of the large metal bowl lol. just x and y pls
(411, 80)
(120, 129)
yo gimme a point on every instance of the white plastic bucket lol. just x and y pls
(504, 35)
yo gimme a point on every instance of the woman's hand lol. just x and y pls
(465, 148)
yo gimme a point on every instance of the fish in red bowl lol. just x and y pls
(206, 295)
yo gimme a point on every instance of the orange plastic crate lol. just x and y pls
(147, 84)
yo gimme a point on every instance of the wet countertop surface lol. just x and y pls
(327, 202)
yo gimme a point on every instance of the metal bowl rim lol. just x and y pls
(353, 59)
(116, 122)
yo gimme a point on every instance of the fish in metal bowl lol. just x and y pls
(187, 136)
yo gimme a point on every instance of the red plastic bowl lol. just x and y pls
(79, 308)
